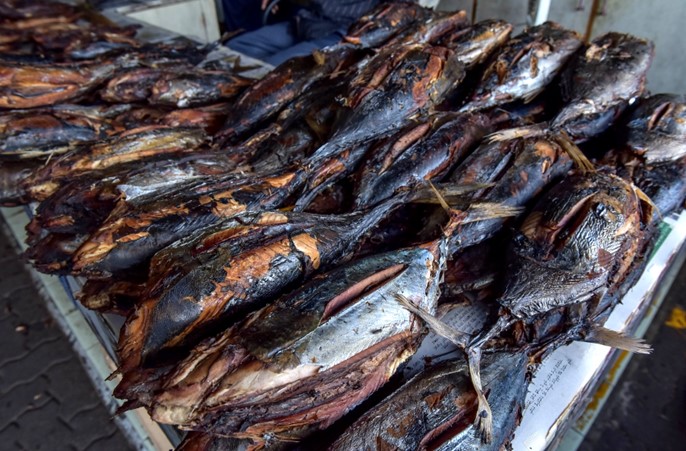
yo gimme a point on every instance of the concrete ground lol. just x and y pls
(47, 401)
(647, 409)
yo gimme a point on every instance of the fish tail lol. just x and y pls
(528, 131)
(484, 415)
(577, 156)
(648, 202)
(607, 337)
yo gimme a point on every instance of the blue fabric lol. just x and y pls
(276, 43)
(242, 14)
(303, 48)
(264, 42)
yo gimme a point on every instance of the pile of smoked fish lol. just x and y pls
(280, 247)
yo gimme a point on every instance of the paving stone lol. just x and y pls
(47, 401)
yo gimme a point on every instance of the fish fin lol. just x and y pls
(319, 57)
(484, 415)
(607, 337)
(529, 97)
(644, 199)
(577, 156)
(439, 196)
(531, 223)
(445, 194)
(441, 328)
(528, 131)
(114, 374)
(484, 211)
(128, 405)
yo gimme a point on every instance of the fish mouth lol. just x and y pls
(357, 291)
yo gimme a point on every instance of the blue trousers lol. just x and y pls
(276, 43)
(242, 14)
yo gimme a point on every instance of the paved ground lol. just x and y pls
(46, 399)
(647, 409)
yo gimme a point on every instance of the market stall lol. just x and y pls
(277, 256)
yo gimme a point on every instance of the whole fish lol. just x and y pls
(421, 80)
(84, 202)
(30, 135)
(133, 145)
(524, 66)
(518, 170)
(600, 82)
(267, 96)
(35, 85)
(308, 356)
(653, 152)
(195, 88)
(371, 73)
(451, 139)
(136, 230)
(583, 234)
(434, 410)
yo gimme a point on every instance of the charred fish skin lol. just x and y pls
(600, 82)
(12, 176)
(38, 135)
(267, 96)
(434, 410)
(424, 77)
(581, 243)
(524, 66)
(422, 80)
(134, 85)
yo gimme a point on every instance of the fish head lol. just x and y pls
(657, 128)
(476, 43)
(603, 80)
(383, 22)
(578, 237)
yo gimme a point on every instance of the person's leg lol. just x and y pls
(303, 48)
(264, 42)
(242, 14)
